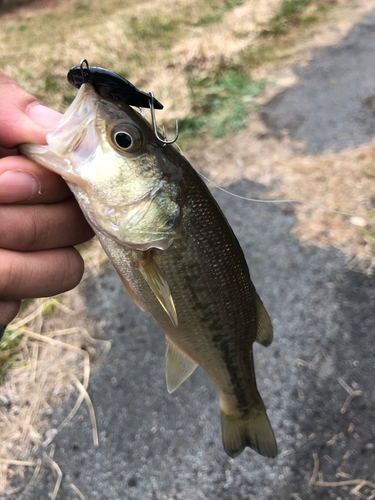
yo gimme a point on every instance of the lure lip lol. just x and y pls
(110, 85)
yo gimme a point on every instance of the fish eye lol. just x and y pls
(127, 138)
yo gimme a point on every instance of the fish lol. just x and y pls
(173, 249)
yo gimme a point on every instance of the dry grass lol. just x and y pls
(53, 361)
(344, 485)
(343, 181)
(362, 488)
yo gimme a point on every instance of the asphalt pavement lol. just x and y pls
(158, 446)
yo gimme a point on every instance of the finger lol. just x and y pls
(22, 180)
(41, 227)
(22, 117)
(39, 274)
(8, 311)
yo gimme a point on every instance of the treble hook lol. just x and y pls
(164, 141)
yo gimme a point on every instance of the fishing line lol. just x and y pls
(283, 201)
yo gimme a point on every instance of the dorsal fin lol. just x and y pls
(265, 330)
(179, 366)
(158, 284)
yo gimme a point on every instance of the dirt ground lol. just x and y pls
(317, 378)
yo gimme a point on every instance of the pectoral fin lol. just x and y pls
(159, 285)
(179, 366)
(265, 330)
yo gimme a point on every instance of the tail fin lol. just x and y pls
(252, 430)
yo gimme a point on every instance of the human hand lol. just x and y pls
(40, 220)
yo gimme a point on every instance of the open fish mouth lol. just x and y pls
(68, 136)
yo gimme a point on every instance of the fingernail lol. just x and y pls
(16, 186)
(2, 330)
(43, 116)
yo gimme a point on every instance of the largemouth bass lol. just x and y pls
(173, 249)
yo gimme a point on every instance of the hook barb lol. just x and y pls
(163, 141)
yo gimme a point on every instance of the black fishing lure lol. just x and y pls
(110, 85)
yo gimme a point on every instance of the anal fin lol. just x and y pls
(179, 366)
(158, 284)
(265, 330)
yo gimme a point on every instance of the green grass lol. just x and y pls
(290, 8)
(369, 234)
(294, 13)
(232, 105)
(25, 303)
(10, 345)
(221, 101)
(217, 11)
(48, 310)
(52, 84)
(212, 17)
(154, 28)
(370, 171)
(225, 101)
(260, 53)
(82, 7)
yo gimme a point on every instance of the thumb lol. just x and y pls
(22, 117)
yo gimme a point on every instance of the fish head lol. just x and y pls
(126, 184)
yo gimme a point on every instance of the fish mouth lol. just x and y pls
(67, 137)
(70, 130)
